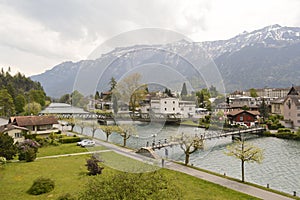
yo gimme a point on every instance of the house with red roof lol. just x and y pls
(243, 117)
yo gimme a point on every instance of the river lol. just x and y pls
(280, 168)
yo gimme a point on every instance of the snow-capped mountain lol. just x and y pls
(266, 57)
(270, 36)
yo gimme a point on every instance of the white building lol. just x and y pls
(187, 109)
(165, 105)
(172, 105)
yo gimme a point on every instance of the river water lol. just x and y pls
(280, 168)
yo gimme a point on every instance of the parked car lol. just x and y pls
(88, 143)
(82, 141)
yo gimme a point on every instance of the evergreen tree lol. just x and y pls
(7, 148)
(7, 107)
(183, 90)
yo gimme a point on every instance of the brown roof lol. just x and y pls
(8, 127)
(33, 120)
(236, 112)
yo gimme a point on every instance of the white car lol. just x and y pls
(82, 141)
(88, 143)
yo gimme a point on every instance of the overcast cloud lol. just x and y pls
(36, 35)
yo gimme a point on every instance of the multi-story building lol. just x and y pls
(270, 92)
(173, 106)
(291, 108)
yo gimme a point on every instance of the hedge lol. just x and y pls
(69, 140)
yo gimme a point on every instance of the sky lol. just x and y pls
(37, 35)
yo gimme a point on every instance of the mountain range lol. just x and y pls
(268, 57)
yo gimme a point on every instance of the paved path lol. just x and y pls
(72, 154)
(234, 185)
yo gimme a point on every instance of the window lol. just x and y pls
(173, 109)
(165, 102)
(182, 109)
(241, 118)
(190, 109)
(165, 109)
(298, 115)
(18, 135)
(173, 102)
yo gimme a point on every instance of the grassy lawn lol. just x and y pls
(69, 174)
(65, 149)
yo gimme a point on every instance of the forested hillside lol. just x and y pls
(20, 95)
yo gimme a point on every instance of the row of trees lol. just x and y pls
(20, 95)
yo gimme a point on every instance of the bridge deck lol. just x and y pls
(210, 136)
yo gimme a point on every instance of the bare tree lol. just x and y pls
(245, 152)
(126, 131)
(131, 91)
(189, 144)
(108, 130)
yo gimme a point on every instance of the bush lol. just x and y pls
(66, 196)
(69, 140)
(93, 167)
(2, 161)
(28, 150)
(41, 186)
(284, 130)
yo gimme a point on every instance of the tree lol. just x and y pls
(203, 98)
(7, 147)
(32, 108)
(37, 96)
(253, 92)
(20, 103)
(264, 110)
(97, 95)
(189, 144)
(183, 90)
(131, 91)
(245, 152)
(94, 126)
(71, 122)
(66, 98)
(113, 84)
(81, 124)
(108, 130)
(93, 167)
(78, 99)
(134, 186)
(7, 107)
(28, 150)
(126, 131)
(213, 91)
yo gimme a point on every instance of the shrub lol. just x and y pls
(41, 185)
(66, 196)
(69, 140)
(93, 167)
(28, 150)
(284, 130)
(2, 161)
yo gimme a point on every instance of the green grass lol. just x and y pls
(189, 123)
(65, 149)
(69, 174)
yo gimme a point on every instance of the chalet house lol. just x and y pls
(243, 117)
(277, 106)
(16, 132)
(41, 125)
(291, 108)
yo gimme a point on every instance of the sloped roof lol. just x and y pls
(8, 127)
(62, 108)
(236, 112)
(33, 120)
(295, 90)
